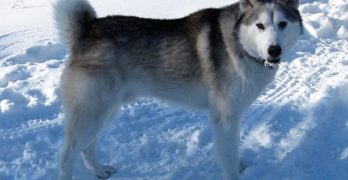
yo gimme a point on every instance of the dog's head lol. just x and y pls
(268, 29)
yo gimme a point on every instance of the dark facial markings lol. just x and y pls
(251, 15)
(289, 13)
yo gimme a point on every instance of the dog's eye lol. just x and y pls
(282, 25)
(260, 26)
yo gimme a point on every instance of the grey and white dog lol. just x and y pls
(216, 59)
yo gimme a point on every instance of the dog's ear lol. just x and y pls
(246, 4)
(291, 3)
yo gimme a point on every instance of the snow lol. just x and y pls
(297, 129)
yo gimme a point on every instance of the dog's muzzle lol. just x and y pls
(271, 63)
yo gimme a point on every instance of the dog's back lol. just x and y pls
(160, 56)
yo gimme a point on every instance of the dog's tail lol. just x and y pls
(72, 18)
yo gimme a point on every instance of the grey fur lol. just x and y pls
(197, 61)
(252, 14)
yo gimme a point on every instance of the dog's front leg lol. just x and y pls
(226, 138)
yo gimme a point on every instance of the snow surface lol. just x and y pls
(297, 130)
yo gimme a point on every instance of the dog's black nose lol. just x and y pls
(274, 51)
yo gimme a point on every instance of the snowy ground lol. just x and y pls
(297, 130)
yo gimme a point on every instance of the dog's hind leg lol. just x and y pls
(89, 103)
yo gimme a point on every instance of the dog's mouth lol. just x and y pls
(274, 60)
(271, 63)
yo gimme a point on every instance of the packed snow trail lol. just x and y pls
(297, 129)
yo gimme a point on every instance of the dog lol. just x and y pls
(219, 59)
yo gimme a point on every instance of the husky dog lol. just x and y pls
(216, 59)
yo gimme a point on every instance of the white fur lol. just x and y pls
(287, 37)
(256, 42)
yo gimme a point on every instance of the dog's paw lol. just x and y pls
(105, 172)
